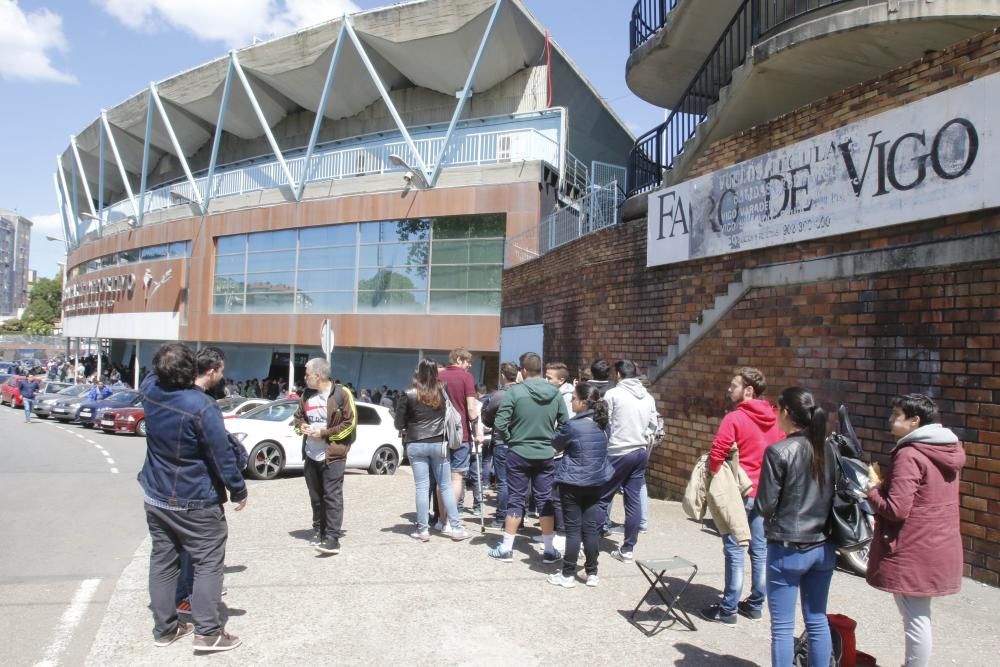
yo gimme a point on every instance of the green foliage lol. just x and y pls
(44, 308)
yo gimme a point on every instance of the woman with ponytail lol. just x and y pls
(795, 497)
(581, 476)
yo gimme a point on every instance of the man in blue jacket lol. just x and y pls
(27, 387)
(189, 469)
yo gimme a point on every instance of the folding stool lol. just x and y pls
(654, 570)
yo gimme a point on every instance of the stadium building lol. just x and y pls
(822, 203)
(377, 171)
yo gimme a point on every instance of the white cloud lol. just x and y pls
(234, 22)
(27, 38)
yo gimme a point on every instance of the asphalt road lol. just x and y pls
(71, 518)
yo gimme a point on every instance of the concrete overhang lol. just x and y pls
(661, 68)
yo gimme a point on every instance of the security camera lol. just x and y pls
(408, 177)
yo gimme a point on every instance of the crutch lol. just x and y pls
(479, 476)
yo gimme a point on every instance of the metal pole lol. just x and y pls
(155, 95)
(218, 137)
(118, 160)
(135, 370)
(291, 368)
(145, 159)
(100, 347)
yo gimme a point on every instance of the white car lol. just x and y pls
(273, 445)
(237, 406)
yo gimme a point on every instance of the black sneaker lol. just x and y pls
(744, 609)
(714, 614)
(316, 538)
(330, 545)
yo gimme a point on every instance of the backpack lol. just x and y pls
(453, 431)
(851, 522)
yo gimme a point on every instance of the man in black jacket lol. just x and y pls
(508, 376)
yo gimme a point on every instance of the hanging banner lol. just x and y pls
(924, 160)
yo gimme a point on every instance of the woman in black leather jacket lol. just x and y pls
(420, 412)
(795, 497)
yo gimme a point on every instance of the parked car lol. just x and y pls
(67, 409)
(90, 412)
(273, 446)
(11, 395)
(237, 406)
(45, 400)
(124, 420)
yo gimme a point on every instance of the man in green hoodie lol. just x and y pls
(527, 420)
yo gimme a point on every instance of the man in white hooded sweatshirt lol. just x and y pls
(631, 421)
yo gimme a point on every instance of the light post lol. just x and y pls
(62, 317)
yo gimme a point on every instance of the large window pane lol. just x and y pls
(467, 303)
(491, 225)
(393, 254)
(393, 278)
(278, 240)
(230, 283)
(271, 282)
(396, 230)
(450, 252)
(273, 302)
(324, 302)
(326, 280)
(154, 252)
(261, 262)
(392, 302)
(228, 303)
(466, 277)
(312, 237)
(327, 258)
(229, 264)
(486, 252)
(128, 256)
(180, 249)
(228, 245)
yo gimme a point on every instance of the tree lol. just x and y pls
(45, 302)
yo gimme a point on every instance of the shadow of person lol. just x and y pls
(694, 656)
(232, 569)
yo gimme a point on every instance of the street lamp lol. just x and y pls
(412, 176)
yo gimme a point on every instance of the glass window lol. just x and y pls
(229, 264)
(314, 237)
(367, 415)
(271, 302)
(324, 302)
(229, 284)
(180, 249)
(327, 258)
(326, 280)
(491, 225)
(393, 277)
(450, 252)
(486, 251)
(154, 252)
(472, 303)
(128, 256)
(260, 262)
(277, 240)
(392, 302)
(228, 245)
(228, 303)
(279, 281)
(393, 254)
(274, 412)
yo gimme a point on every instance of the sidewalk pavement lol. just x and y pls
(388, 599)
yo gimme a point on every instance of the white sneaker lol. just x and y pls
(444, 528)
(557, 579)
(422, 536)
(593, 580)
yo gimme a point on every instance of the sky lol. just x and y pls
(62, 61)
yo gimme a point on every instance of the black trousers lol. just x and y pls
(325, 482)
(582, 514)
(202, 534)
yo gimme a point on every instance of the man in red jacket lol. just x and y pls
(752, 425)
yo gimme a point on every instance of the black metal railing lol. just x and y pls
(648, 16)
(658, 149)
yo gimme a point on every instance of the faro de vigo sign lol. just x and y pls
(99, 293)
(924, 160)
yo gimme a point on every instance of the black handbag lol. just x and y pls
(851, 522)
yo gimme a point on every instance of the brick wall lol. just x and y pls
(859, 342)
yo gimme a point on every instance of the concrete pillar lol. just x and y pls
(291, 367)
(100, 350)
(135, 370)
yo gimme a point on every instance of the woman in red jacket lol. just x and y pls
(916, 553)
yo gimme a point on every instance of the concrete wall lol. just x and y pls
(857, 340)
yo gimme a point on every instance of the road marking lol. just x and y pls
(68, 622)
(114, 471)
(79, 436)
(110, 460)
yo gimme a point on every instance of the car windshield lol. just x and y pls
(230, 402)
(123, 396)
(275, 412)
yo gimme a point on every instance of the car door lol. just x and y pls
(366, 441)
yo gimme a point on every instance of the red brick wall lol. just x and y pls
(858, 342)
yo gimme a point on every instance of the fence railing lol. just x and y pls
(478, 148)
(658, 149)
(598, 209)
(648, 16)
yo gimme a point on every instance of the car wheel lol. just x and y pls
(267, 460)
(86, 425)
(140, 428)
(385, 461)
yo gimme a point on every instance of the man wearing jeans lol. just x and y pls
(27, 387)
(461, 390)
(508, 377)
(527, 420)
(752, 426)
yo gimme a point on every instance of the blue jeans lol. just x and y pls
(425, 456)
(28, 403)
(500, 472)
(734, 564)
(807, 573)
(630, 476)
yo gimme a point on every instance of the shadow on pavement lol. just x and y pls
(694, 656)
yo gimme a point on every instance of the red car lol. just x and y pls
(125, 420)
(11, 395)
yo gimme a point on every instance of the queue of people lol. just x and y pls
(566, 454)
